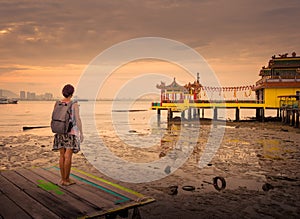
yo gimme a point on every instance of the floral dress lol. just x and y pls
(71, 140)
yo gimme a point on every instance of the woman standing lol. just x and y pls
(69, 143)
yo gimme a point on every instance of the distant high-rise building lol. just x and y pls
(30, 95)
(33, 96)
(48, 96)
(1, 93)
(22, 95)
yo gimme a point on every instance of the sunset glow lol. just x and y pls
(45, 45)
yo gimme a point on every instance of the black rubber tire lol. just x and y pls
(188, 188)
(215, 183)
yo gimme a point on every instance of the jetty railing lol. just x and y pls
(290, 111)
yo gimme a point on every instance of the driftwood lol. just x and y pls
(34, 127)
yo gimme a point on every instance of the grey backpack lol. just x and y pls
(61, 121)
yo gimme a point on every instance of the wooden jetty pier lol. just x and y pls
(35, 193)
(191, 110)
(279, 83)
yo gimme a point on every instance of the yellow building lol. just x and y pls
(280, 78)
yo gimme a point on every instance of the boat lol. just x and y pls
(3, 100)
(8, 101)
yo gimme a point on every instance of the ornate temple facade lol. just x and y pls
(280, 78)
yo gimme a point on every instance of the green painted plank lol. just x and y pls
(95, 196)
(62, 192)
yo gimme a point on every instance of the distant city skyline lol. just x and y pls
(26, 95)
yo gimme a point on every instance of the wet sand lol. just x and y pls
(259, 161)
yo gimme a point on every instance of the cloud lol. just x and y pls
(4, 70)
(56, 33)
(39, 78)
(79, 29)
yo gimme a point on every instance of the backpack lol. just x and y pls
(61, 121)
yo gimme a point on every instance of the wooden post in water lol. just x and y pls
(297, 119)
(288, 117)
(170, 115)
(195, 113)
(260, 114)
(189, 113)
(158, 117)
(183, 114)
(293, 117)
(257, 114)
(215, 113)
(282, 115)
(237, 114)
(285, 115)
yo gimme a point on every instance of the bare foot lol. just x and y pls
(71, 182)
(65, 184)
(68, 183)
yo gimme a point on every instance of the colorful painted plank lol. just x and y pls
(36, 193)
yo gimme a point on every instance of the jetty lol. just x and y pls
(35, 193)
(279, 84)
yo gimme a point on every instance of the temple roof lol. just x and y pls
(277, 84)
(282, 65)
(285, 62)
(174, 86)
(195, 85)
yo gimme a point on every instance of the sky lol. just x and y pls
(46, 44)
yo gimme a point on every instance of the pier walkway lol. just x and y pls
(35, 193)
(288, 109)
(193, 108)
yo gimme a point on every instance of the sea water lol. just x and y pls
(108, 116)
(38, 113)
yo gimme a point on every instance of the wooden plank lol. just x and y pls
(138, 199)
(113, 194)
(95, 196)
(133, 195)
(55, 199)
(19, 198)
(9, 209)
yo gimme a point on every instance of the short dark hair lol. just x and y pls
(68, 90)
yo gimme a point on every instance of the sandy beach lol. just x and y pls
(259, 161)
